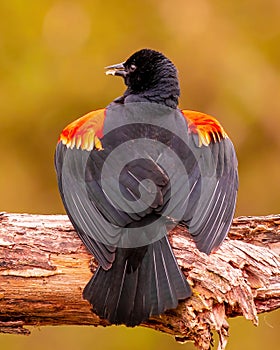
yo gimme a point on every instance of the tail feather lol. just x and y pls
(136, 288)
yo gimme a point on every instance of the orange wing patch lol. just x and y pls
(205, 126)
(85, 132)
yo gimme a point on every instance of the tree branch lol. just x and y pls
(44, 267)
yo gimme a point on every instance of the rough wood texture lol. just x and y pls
(44, 267)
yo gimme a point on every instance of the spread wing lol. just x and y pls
(104, 205)
(206, 204)
(75, 144)
(214, 181)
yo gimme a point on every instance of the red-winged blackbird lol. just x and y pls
(128, 172)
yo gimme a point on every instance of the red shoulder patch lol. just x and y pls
(85, 132)
(205, 126)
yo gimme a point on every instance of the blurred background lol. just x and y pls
(52, 58)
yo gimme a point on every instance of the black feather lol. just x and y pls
(142, 282)
(189, 182)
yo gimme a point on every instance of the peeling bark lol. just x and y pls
(44, 268)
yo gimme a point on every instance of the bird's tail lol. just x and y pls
(142, 282)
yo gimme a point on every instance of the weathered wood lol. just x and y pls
(44, 267)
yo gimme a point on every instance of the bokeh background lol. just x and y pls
(52, 58)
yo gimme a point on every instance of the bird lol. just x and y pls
(129, 173)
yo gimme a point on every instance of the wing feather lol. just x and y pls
(212, 200)
(98, 235)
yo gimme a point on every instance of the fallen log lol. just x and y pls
(44, 268)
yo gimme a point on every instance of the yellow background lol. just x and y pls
(52, 55)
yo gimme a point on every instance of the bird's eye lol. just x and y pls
(132, 68)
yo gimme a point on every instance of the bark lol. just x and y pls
(44, 267)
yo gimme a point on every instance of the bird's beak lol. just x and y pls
(116, 69)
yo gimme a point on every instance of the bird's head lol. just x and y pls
(151, 75)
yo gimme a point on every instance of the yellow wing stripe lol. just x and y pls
(85, 132)
(205, 126)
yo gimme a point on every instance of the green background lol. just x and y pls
(52, 58)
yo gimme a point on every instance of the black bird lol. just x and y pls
(128, 172)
